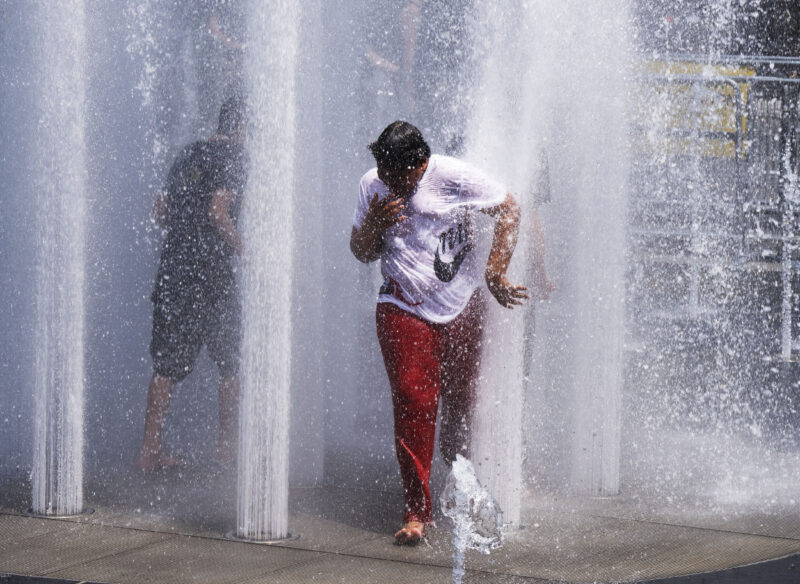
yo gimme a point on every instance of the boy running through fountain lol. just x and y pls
(416, 213)
(196, 298)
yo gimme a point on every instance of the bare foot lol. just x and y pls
(410, 534)
(149, 462)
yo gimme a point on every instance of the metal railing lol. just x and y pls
(748, 116)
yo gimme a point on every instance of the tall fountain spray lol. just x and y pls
(596, 196)
(497, 436)
(714, 234)
(61, 186)
(267, 219)
(545, 100)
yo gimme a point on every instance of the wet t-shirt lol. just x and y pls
(194, 253)
(429, 261)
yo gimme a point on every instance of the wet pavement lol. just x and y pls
(172, 528)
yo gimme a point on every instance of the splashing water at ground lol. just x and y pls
(477, 519)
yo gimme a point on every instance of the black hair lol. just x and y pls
(231, 115)
(400, 146)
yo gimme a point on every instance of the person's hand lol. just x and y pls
(506, 293)
(383, 214)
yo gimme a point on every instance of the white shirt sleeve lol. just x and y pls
(364, 198)
(469, 184)
(478, 189)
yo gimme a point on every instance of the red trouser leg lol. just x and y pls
(423, 359)
(410, 348)
(460, 350)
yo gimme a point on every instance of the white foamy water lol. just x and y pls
(267, 216)
(544, 97)
(477, 518)
(61, 187)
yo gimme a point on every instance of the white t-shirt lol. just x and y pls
(429, 261)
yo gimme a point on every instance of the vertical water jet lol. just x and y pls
(267, 219)
(497, 437)
(594, 167)
(543, 97)
(61, 185)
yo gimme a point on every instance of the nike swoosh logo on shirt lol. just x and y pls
(446, 271)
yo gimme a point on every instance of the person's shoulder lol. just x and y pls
(447, 165)
(223, 152)
(460, 167)
(198, 146)
(190, 149)
(370, 177)
(449, 170)
(442, 160)
(465, 177)
(219, 146)
(186, 156)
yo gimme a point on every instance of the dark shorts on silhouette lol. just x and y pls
(185, 320)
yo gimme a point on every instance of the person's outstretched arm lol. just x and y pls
(366, 242)
(506, 231)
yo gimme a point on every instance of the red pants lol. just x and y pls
(425, 360)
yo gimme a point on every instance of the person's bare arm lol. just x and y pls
(410, 18)
(506, 231)
(219, 213)
(543, 286)
(366, 242)
(376, 60)
(160, 210)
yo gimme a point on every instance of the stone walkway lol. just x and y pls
(580, 540)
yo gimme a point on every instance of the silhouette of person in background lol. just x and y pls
(196, 300)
